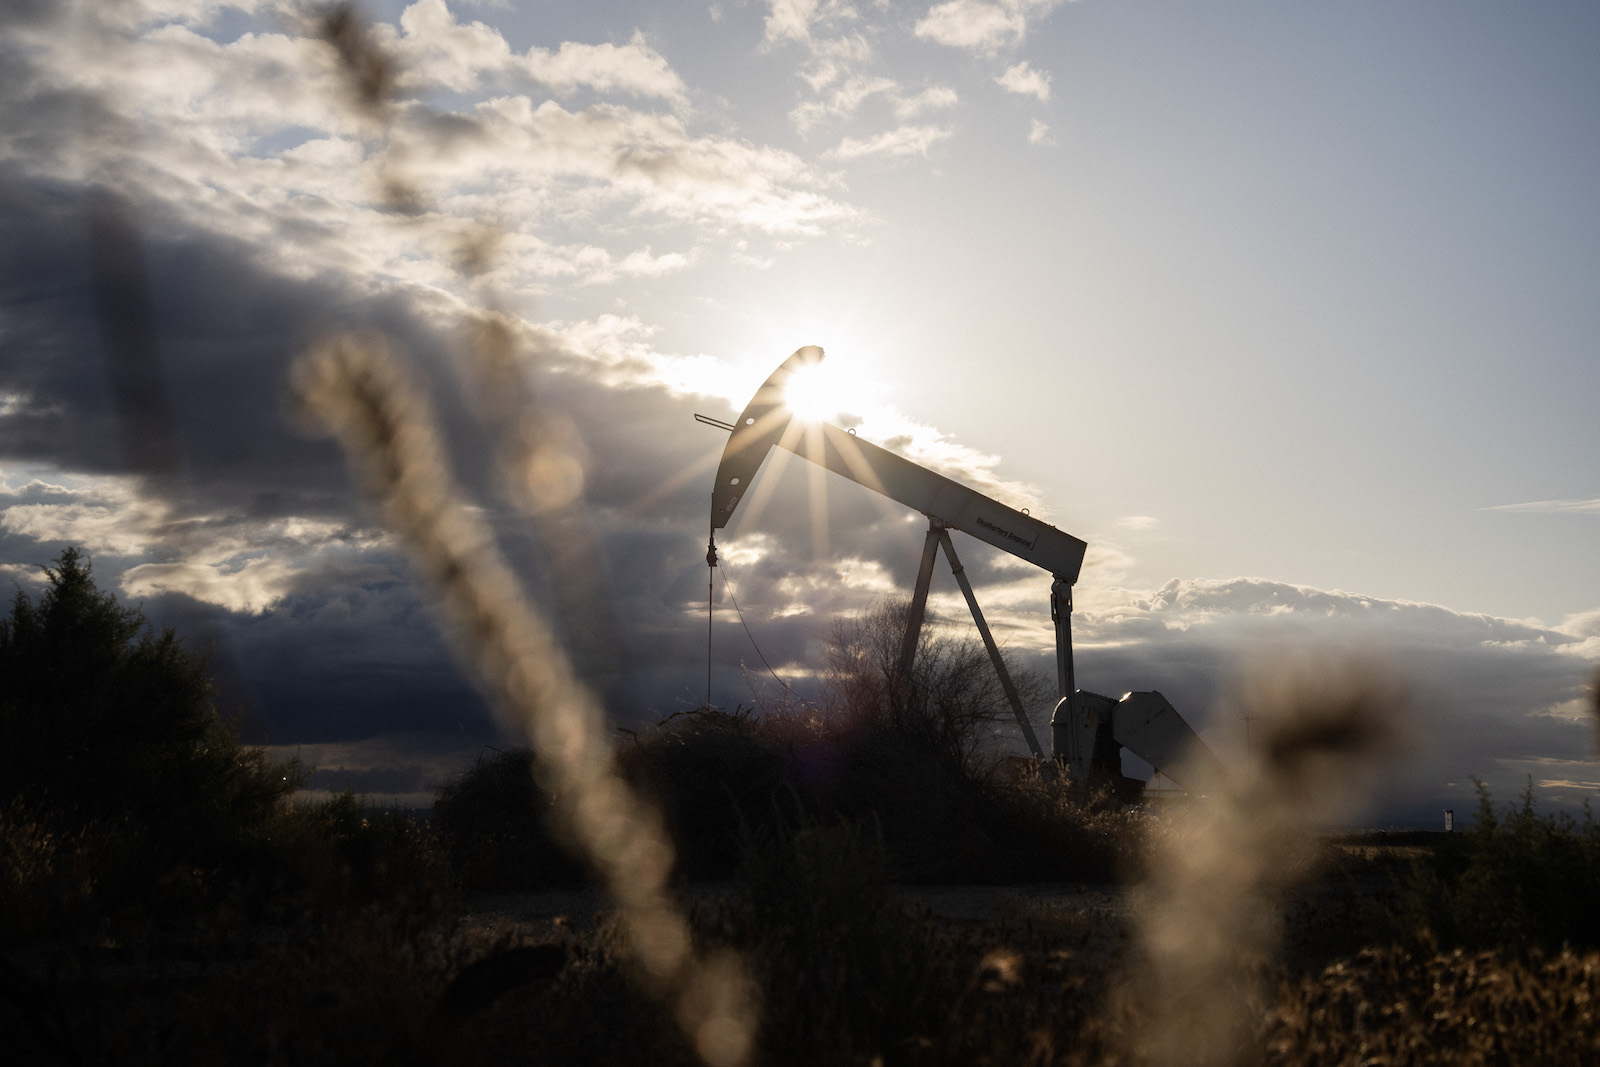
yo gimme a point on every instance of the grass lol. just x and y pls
(343, 939)
(337, 934)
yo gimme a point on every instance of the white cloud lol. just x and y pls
(831, 54)
(250, 586)
(631, 68)
(1138, 522)
(648, 159)
(792, 20)
(1558, 507)
(933, 98)
(1025, 81)
(1039, 133)
(433, 49)
(101, 515)
(239, 563)
(252, 137)
(899, 142)
(841, 103)
(924, 444)
(436, 50)
(981, 25)
(522, 259)
(833, 58)
(616, 351)
(248, 565)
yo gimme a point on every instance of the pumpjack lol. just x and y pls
(1088, 731)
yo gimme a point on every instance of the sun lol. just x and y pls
(814, 393)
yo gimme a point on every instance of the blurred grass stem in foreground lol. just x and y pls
(355, 388)
(1209, 913)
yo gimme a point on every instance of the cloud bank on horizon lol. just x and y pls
(569, 172)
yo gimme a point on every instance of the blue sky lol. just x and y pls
(1286, 309)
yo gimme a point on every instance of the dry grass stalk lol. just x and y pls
(356, 389)
(1208, 915)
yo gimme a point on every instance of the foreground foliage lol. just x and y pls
(1513, 878)
(848, 971)
(719, 777)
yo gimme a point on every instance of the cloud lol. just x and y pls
(250, 136)
(1483, 687)
(793, 20)
(897, 143)
(1138, 522)
(646, 161)
(434, 50)
(632, 68)
(103, 515)
(831, 55)
(1039, 133)
(933, 98)
(982, 26)
(1025, 81)
(841, 103)
(1554, 507)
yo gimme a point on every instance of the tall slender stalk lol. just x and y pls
(358, 391)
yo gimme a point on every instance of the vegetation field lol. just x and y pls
(890, 896)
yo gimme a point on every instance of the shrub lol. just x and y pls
(1515, 880)
(494, 821)
(951, 700)
(336, 857)
(718, 776)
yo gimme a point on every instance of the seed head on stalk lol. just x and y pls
(355, 388)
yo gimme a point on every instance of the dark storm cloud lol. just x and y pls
(344, 648)
(224, 332)
(1493, 699)
(329, 634)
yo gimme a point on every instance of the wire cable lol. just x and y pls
(727, 583)
(711, 604)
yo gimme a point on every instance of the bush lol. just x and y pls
(494, 820)
(718, 776)
(951, 701)
(336, 857)
(1513, 881)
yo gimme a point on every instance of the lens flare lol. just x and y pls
(814, 393)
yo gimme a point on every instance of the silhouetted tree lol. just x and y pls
(102, 718)
(952, 699)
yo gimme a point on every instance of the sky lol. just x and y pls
(1287, 310)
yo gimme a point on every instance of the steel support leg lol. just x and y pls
(919, 598)
(988, 642)
(1066, 680)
